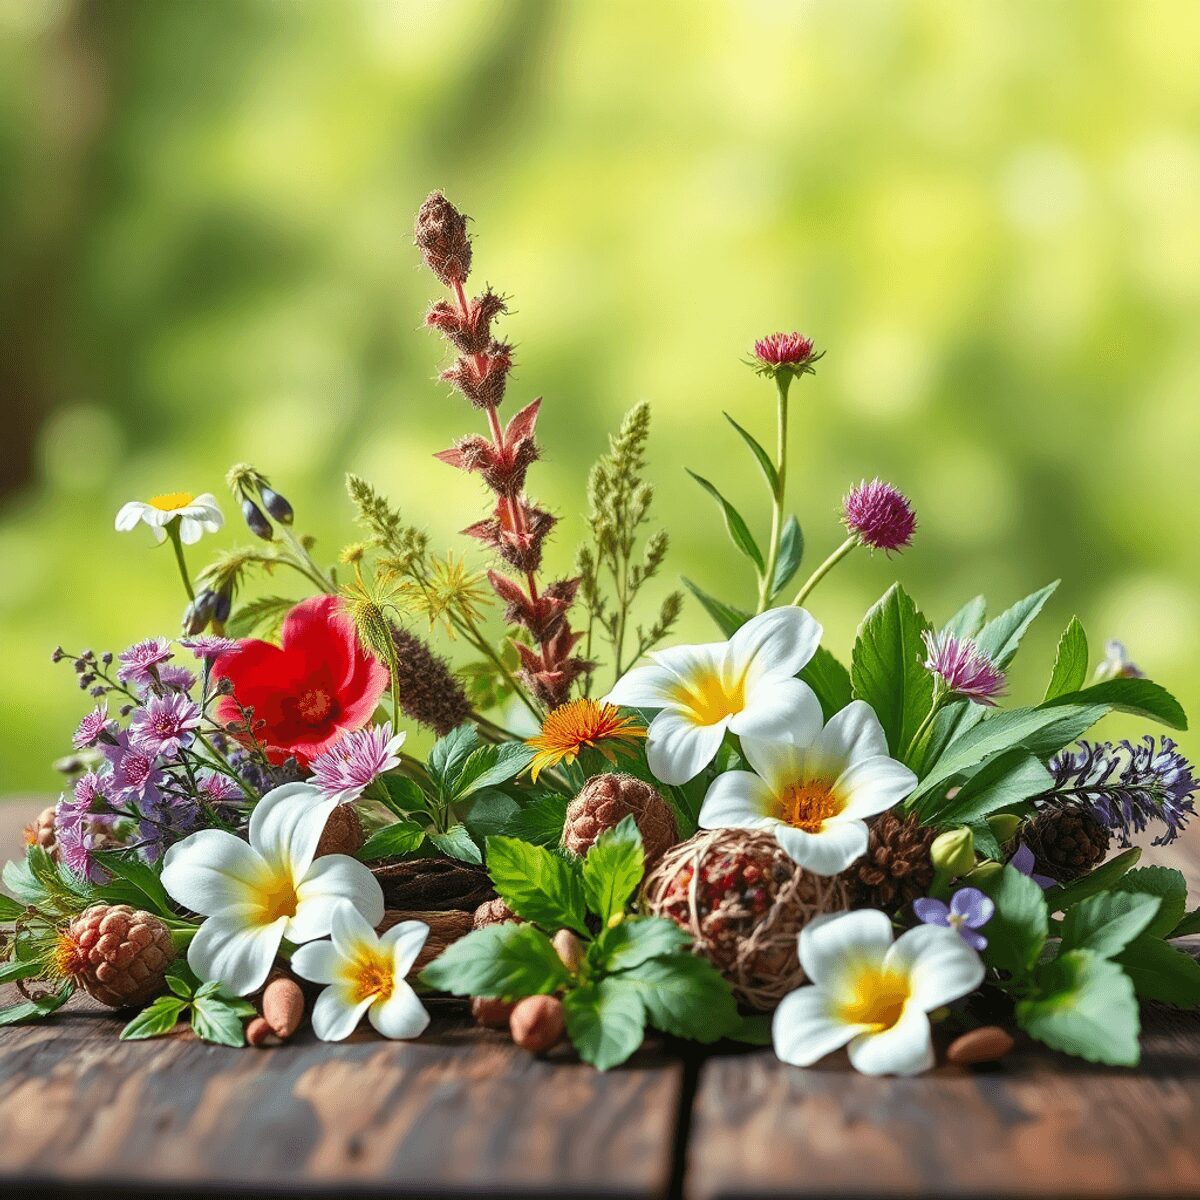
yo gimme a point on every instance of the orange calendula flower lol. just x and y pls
(572, 727)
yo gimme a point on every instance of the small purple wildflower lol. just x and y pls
(216, 788)
(175, 678)
(208, 646)
(969, 910)
(94, 726)
(91, 792)
(134, 771)
(880, 515)
(347, 769)
(78, 831)
(963, 668)
(1023, 860)
(140, 662)
(166, 725)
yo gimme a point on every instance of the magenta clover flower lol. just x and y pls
(166, 725)
(969, 911)
(879, 515)
(345, 770)
(962, 668)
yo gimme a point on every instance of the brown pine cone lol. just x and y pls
(1067, 842)
(40, 832)
(896, 869)
(343, 832)
(605, 800)
(119, 955)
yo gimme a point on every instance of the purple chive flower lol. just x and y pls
(94, 726)
(208, 646)
(347, 769)
(969, 910)
(166, 725)
(1023, 860)
(139, 663)
(1129, 786)
(879, 515)
(963, 668)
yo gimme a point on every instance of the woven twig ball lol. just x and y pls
(744, 901)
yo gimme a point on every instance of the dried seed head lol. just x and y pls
(441, 236)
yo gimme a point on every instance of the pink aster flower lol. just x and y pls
(217, 788)
(166, 725)
(139, 663)
(348, 768)
(880, 515)
(176, 678)
(134, 771)
(962, 668)
(93, 727)
(783, 349)
(208, 646)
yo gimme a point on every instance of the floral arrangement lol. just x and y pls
(754, 838)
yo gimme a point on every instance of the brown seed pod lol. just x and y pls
(605, 800)
(570, 949)
(537, 1023)
(444, 928)
(985, 1044)
(494, 912)
(260, 1034)
(282, 1006)
(343, 832)
(490, 1012)
(119, 955)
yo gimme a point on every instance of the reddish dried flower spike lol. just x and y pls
(472, 333)
(550, 673)
(482, 377)
(441, 236)
(543, 617)
(520, 548)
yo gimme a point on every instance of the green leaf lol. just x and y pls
(406, 794)
(140, 875)
(393, 841)
(541, 820)
(1017, 932)
(738, 530)
(1141, 697)
(1009, 778)
(1107, 923)
(613, 868)
(35, 1010)
(829, 680)
(791, 554)
(753, 1029)
(1070, 662)
(728, 618)
(1161, 972)
(605, 1022)
(456, 842)
(634, 941)
(16, 969)
(490, 765)
(1168, 885)
(156, 1019)
(761, 456)
(1105, 876)
(10, 909)
(1188, 926)
(220, 1021)
(449, 755)
(886, 670)
(263, 615)
(491, 812)
(18, 876)
(1000, 638)
(684, 995)
(968, 621)
(537, 885)
(182, 980)
(1086, 1007)
(507, 960)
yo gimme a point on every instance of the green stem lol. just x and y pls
(824, 569)
(923, 730)
(177, 542)
(766, 585)
(471, 631)
(310, 568)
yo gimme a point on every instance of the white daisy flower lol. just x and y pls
(872, 993)
(815, 785)
(746, 685)
(197, 515)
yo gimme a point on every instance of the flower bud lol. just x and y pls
(277, 506)
(222, 605)
(953, 852)
(983, 873)
(1004, 826)
(257, 523)
(199, 613)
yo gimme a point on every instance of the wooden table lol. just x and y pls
(463, 1113)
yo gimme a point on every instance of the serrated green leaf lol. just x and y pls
(1188, 926)
(753, 1029)
(968, 621)
(541, 820)
(1168, 885)
(537, 885)
(449, 754)
(613, 868)
(217, 1021)
(1105, 876)
(760, 455)
(729, 619)
(491, 812)
(1107, 923)
(138, 875)
(490, 765)
(393, 841)
(406, 795)
(1009, 778)
(1161, 972)
(1087, 1007)
(16, 969)
(507, 961)
(1017, 932)
(19, 878)
(791, 554)
(1070, 662)
(735, 524)
(156, 1019)
(829, 680)
(457, 843)
(605, 1022)
(1141, 697)
(35, 1010)
(634, 941)
(684, 995)
(1000, 638)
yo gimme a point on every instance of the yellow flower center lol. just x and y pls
(372, 975)
(170, 501)
(708, 698)
(278, 899)
(876, 997)
(808, 806)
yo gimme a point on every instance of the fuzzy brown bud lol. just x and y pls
(470, 334)
(119, 955)
(537, 1023)
(429, 692)
(482, 377)
(441, 236)
(282, 1006)
(490, 1012)
(41, 832)
(493, 912)
(605, 800)
(343, 832)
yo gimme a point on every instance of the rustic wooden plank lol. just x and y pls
(461, 1112)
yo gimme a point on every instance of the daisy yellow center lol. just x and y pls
(314, 705)
(170, 501)
(568, 729)
(875, 997)
(808, 806)
(277, 898)
(708, 698)
(372, 976)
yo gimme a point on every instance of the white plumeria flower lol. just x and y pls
(258, 893)
(745, 685)
(365, 973)
(872, 993)
(815, 785)
(197, 515)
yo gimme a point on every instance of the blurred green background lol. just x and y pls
(987, 214)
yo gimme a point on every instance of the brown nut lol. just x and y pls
(490, 1012)
(537, 1023)
(570, 949)
(985, 1044)
(259, 1033)
(283, 1006)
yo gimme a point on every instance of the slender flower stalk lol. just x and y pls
(766, 586)
(824, 569)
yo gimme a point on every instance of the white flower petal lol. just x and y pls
(831, 944)
(688, 663)
(781, 761)
(401, 1015)
(832, 849)
(406, 941)
(336, 1014)
(644, 687)
(190, 531)
(737, 800)
(212, 870)
(678, 750)
(804, 1028)
(318, 962)
(779, 709)
(780, 641)
(854, 733)
(351, 931)
(130, 515)
(873, 785)
(940, 965)
(287, 824)
(230, 949)
(904, 1049)
(332, 879)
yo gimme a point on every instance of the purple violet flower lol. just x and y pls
(94, 726)
(880, 515)
(1117, 664)
(165, 726)
(139, 662)
(1023, 862)
(347, 769)
(962, 668)
(208, 646)
(969, 910)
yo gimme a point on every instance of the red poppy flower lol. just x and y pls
(307, 692)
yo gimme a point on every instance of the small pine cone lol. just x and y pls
(896, 869)
(343, 832)
(41, 832)
(605, 800)
(117, 954)
(1067, 842)
(441, 235)
(429, 692)
(493, 912)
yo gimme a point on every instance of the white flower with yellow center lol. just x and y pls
(815, 785)
(256, 894)
(871, 993)
(745, 685)
(365, 972)
(197, 515)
